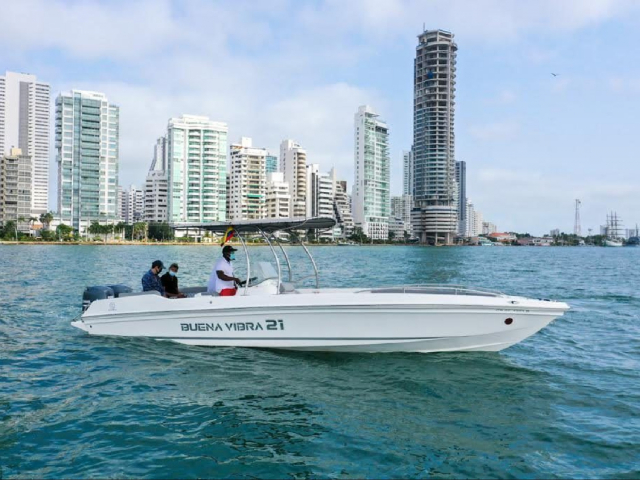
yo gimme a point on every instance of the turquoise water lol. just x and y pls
(564, 403)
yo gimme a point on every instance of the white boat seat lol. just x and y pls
(287, 287)
(136, 294)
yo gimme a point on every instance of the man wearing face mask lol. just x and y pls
(170, 282)
(151, 280)
(222, 280)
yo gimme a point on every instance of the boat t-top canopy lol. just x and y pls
(266, 228)
(268, 225)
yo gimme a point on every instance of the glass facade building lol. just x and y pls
(371, 189)
(434, 187)
(197, 169)
(87, 153)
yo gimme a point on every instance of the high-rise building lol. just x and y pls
(278, 198)
(473, 221)
(197, 169)
(320, 196)
(434, 217)
(401, 207)
(461, 202)
(25, 121)
(132, 205)
(271, 163)
(156, 187)
(319, 192)
(371, 199)
(293, 162)
(407, 172)
(341, 206)
(15, 188)
(247, 181)
(87, 145)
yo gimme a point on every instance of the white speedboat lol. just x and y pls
(271, 313)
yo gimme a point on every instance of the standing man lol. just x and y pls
(170, 282)
(151, 279)
(222, 280)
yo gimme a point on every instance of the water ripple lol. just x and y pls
(565, 403)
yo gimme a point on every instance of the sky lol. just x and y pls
(533, 142)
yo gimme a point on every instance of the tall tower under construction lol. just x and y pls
(434, 217)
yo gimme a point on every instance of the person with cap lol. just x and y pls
(170, 282)
(222, 280)
(151, 279)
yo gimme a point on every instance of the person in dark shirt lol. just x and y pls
(170, 282)
(151, 280)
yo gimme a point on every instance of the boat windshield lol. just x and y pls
(262, 271)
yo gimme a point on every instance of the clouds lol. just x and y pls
(498, 131)
(299, 69)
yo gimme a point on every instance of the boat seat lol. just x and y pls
(193, 290)
(136, 294)
(287, 287)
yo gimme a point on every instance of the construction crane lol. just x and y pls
(576, 226)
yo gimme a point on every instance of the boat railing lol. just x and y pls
(436, 289)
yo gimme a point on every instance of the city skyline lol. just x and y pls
(539, 140)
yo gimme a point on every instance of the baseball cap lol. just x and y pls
(157, 263)
(229, 248)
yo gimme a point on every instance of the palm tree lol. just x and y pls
(46, 219)
(21, 219)
(120, 227)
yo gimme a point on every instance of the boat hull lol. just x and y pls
(338, 322)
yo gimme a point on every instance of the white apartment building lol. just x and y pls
(247, 181)
(156, 187)
(132, 205)
(197, 169)
(401, 207)
(15, 188)
(473, 222)
(488, 228)
(320, 196)
(25, 121)
(293, 162)
(435, 219)
(397, 227)
(87, 152)
(156, 197)
(278, 198)
(371, 205)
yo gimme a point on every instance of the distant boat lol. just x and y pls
(612, 231)
(634, 240)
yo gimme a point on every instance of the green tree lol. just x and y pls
(392, 235)
(358, 235)
(10, 230)
(161, 231)
(46, 219)
(64, 232)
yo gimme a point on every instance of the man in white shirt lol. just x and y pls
(222, 280)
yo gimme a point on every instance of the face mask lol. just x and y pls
(232, 256)
(172, 273)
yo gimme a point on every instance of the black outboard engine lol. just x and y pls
(91, 294)
(118, 289)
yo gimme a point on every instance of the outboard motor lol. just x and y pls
(91, 294)
(118, 289)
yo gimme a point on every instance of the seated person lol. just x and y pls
(151, 279)
(170, 282)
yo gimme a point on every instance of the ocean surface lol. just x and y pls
(564, 403)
